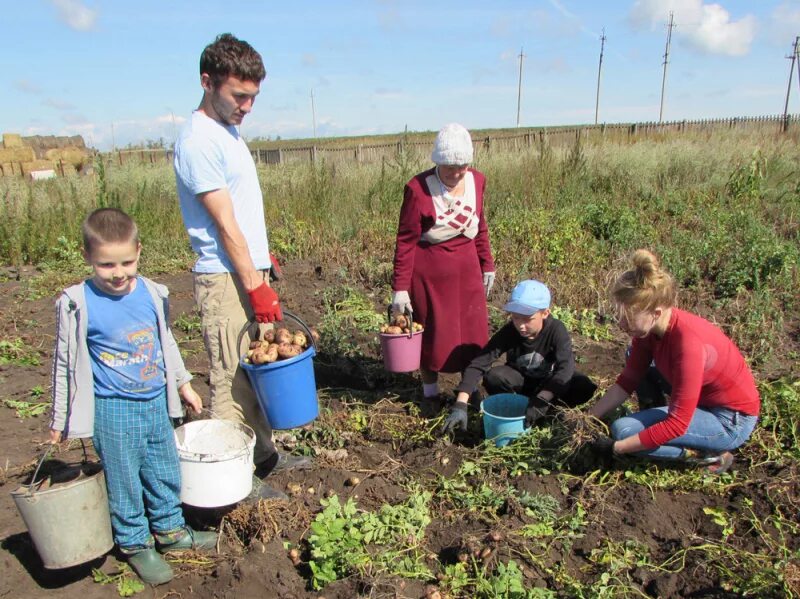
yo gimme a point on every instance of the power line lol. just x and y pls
(599, 69)
(519, 85)
(666, 62)
(793, 58)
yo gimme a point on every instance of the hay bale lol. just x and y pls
(22, 154)
(41, 143)
(7, 169)
(12, 140)
(76, 157)
(37, 165)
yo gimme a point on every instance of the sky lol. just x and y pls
(121, 72)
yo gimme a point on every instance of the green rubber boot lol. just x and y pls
(186, 539)
(150, 566)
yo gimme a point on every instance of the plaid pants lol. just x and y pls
(135, 442)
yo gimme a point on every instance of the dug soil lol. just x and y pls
(253, 560)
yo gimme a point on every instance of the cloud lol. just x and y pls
(58, 104)
(308, 60)
(785, 22)
(27, 87)
(707, 27)
(75, 14)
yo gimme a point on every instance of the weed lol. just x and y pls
(128, 584)
(16, 351)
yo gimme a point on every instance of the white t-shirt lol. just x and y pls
(211, 156)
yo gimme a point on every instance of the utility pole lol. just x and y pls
(666, 61)
(313, 115)
(519, 85)
(599, 70)
(793, 58)
(113, 145)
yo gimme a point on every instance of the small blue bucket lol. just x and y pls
(286, 390)
(504, 417)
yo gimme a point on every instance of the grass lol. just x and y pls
(564, 215)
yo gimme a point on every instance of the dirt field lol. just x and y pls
(664, 522)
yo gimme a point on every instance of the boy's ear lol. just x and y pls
(545, 313)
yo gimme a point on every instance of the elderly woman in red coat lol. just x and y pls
(443, 267)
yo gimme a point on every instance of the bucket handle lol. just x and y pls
(407, 311)
(290, 314)
(45, 455)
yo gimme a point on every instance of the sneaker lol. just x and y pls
(185, 539)
(282, 462)
(722, 465)
(150, 566)
(696, 457)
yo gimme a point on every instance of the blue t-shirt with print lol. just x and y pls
(124, 345)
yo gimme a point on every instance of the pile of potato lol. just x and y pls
(279, 344)
(401, 325)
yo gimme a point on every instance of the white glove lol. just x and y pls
(401, 303)
(488, 282)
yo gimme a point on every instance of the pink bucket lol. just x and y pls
(401, 353)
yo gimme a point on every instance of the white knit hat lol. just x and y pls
(453, 145)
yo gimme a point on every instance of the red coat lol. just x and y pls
(444, 280)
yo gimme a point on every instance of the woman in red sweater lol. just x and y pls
(443, 267)
(714, 404)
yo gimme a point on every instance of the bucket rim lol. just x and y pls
(280, 363)
(406, 335)
(507, 418)
(200, 456)
(27, 491)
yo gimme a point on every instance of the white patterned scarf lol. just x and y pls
(454, 215)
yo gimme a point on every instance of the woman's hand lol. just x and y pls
(191, 398)
(401, 302)
(488, 282)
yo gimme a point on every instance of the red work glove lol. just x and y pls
(265, 303)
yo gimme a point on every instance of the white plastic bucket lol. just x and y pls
(68, 521)
(216, 458)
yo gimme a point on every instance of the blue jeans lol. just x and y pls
(135, 442)
(711, 431)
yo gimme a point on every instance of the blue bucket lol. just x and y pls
(286, 390)
(504, 417)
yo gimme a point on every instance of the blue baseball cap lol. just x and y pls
(528, 298)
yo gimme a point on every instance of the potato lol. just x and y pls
(269, 335)
(272, 354)
(254, 344)
(394, 330)
(299, 338)
(400, 320)
(259, 356)
(283, 336)
(287, 350)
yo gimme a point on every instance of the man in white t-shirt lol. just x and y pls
(223, 211)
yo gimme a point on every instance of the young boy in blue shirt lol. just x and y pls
(539, 360)
(118, 377)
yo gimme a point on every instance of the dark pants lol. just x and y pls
(504, 379)
(653, 390)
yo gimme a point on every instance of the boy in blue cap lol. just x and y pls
(539, 360)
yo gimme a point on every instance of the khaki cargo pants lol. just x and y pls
(224, 311)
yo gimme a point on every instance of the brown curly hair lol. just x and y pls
(229, 56)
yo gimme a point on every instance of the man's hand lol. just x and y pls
(265, 303)
(457, 419)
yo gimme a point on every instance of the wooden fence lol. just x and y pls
(529, 137)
